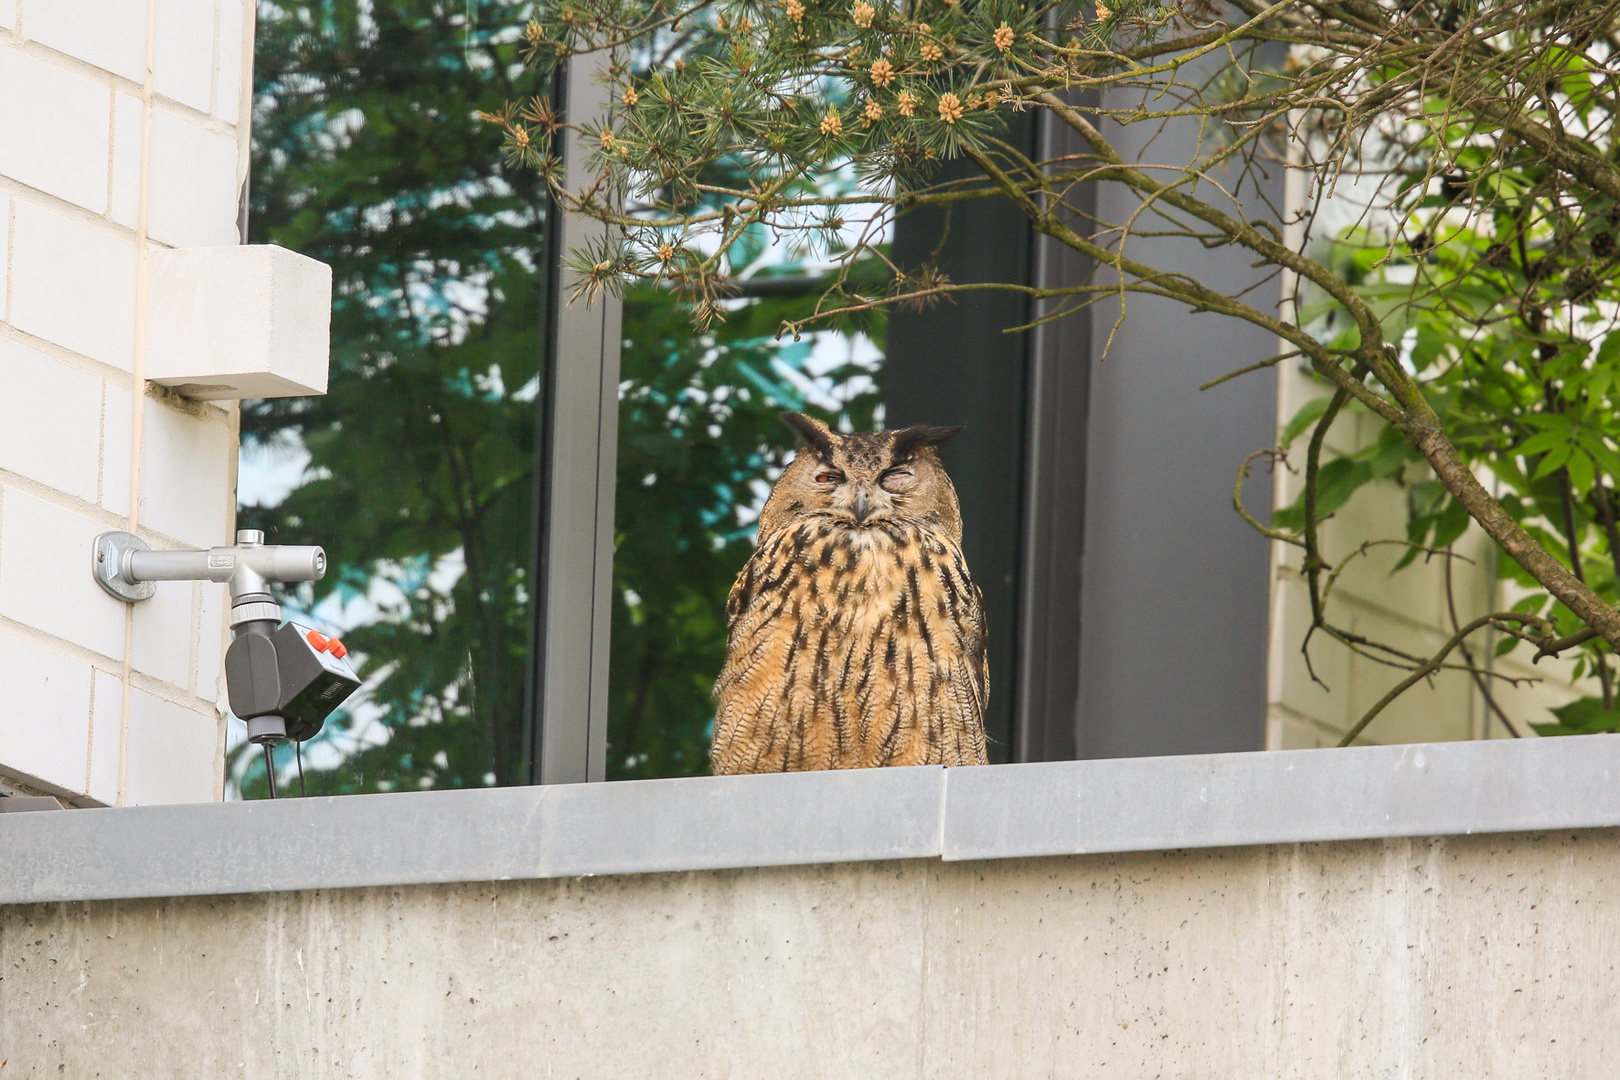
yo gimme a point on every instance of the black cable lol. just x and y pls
(302, 791)
(269, 769)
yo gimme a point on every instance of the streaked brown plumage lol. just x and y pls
(855, 636)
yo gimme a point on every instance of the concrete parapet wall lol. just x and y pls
(1462, 956)
(1442, 910)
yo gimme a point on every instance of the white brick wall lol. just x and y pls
(88, 142)
(50, 422)
(49, 106)
(72, 283)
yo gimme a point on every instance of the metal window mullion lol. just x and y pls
(577, 560)
(1047, 694)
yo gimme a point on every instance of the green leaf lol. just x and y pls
(1602, 454)
(1308, 414)
(1597, 385)
(1453, 523)
(1552, 462)
(1392, 457)
(1581, 475)
(1337, 481)
(1583, 716)
(1543, 442)
(1549, 421)
(1426, 498)
(1608, 353)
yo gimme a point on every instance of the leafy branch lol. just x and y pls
(1468, 309)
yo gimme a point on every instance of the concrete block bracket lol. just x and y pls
(225, 323)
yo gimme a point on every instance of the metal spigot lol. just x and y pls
(282, 681)
(127, 567)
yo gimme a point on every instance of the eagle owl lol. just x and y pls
(855, 637)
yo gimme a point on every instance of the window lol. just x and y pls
(417, 470)
(534, 509)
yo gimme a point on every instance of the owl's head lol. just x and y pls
(865, 480)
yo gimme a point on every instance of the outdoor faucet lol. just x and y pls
(283, 680)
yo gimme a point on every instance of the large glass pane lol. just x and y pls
(416, 470)
(700, 444)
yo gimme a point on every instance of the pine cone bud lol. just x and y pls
(1581, 285)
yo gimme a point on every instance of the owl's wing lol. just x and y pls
(973, 647)
(743, 730)
(965, 604)
(744, 592)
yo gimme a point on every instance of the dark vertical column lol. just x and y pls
(954, 364)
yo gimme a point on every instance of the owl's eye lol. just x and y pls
(897, 480)
(830, 476)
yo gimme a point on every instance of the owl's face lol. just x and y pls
(864, 481)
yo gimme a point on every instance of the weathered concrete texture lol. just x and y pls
(1466, 957)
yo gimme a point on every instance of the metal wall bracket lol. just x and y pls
(109, 565)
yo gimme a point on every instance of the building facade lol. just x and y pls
(125, 135)
(124, 130)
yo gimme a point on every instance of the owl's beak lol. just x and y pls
(860, 505)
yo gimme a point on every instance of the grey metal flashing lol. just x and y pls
(492, 834)
(1291, 796)
(991, 812)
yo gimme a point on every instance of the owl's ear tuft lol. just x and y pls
(812, 432)
(907, 441)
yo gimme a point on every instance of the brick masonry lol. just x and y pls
(103, 130)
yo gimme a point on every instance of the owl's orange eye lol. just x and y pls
(831, 476)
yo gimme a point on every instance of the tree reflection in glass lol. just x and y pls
(416, 470)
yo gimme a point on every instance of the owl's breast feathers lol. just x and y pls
(852, 648)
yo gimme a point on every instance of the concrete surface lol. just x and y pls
(859, 815)
(1461, 957)
(248, 321)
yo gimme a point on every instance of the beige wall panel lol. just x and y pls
(1407, 610)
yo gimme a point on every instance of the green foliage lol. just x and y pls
(1586, 716)
(1522, 373)
(1503, 300)
(724, 119)
(420, 480)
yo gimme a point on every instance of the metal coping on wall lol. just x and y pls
(712, 823)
